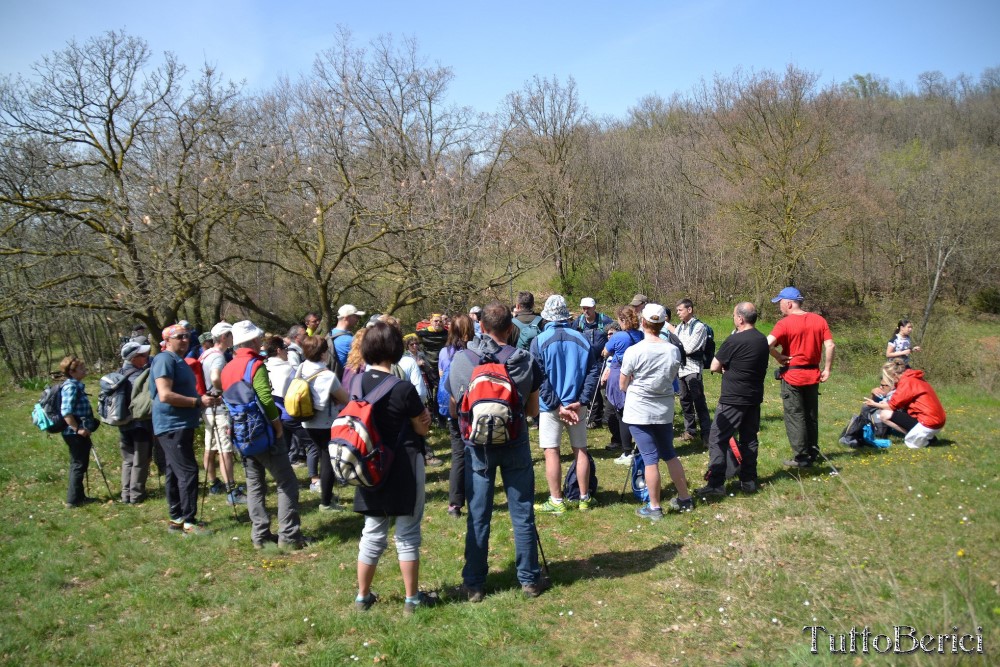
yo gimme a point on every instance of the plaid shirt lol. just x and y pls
(75, 402)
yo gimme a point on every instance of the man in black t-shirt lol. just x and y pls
(742, 360)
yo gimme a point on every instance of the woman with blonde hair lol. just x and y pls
(913, 409)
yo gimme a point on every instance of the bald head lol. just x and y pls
(744, 315)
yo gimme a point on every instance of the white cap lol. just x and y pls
(654, 313)
(245, 331)
(347, 310)
(587, 302)
(221, 328)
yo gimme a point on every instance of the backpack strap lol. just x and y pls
(381, 389)
(251, 368)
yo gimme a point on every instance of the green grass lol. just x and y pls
(898, 537)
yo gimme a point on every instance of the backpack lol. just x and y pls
(637, 478)
(335, 365)
(357, 454)
(708, 351)
(199, 375)
(47, 413)
(252, 431)
(490, 410)
(527, 332)
(571, 486)
(114, 399)
(141, 403)
(298, 396)
(582, 321)
(443, 397)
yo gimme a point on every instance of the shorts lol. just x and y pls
(219, 441)
(655, 442)
(550, 429)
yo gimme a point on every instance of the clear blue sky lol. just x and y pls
(617, 52)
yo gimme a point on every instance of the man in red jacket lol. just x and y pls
(247, 339)
(914, 409)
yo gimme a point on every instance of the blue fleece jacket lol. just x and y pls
(570, 366)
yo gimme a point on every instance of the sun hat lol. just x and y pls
(555, 309)
(245, 331)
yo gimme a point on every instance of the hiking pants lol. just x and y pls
(744, 422)
(274, 461)
(136, 447)
(79, 462)
(696, 415)
(801, 406)
(182, 474)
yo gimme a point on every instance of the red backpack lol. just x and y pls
(490, 411)
(199, 375)
(357, 453)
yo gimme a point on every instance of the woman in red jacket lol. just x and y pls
(914, 409)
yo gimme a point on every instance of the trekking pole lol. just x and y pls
(222, 467)
(93, 450)
(541, 551)
(204, 484)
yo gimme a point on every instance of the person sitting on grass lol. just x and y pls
(913, 408)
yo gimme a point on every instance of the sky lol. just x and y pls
(617, 52)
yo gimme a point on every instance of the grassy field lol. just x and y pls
(874, 538)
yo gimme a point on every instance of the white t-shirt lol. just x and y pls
(211, 360)
(649, 398)
(280, 373)
(321, 388)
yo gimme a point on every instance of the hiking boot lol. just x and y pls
(424, 600)
(217, 488)
(236, 497)
(455, 511)
(550, 507)
(678, 505)
(587, 504)
(624, 460)
(433, 462)
(467, 594)
(647, 512)
(270, 538)
(592, 425)
(534, 590)
(295, 545)
(196, 529)
(614, 446)
(749, 487)
(366, 603)
(175, 526)
(686, 437)
(334, 506)
(796, 463)
(711, 492)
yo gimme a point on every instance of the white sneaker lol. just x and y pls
(624, 460)
(314, 487)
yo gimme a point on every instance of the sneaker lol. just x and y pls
(454, 511)
(236, 497)
(550, 507)
(749, 487)
(433, 461)
(711, 492)
(334, 506)
(314, 487)
(467, 593)
(365, 603)
(175, 526)
(271, 538)
(624, 460)
(686, 437)
(217, 488)
(534, 590)
(678, 505)
(592, 425)
(196, 529)
(587, 504)
(424, 600)
(614, 446)
(647, 512)
(795, 463)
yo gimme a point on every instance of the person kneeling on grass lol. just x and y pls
(402, 421)
(913, 408)
(647, 377)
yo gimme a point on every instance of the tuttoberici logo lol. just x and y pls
(903, 640)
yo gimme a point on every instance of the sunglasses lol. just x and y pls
(180, 337)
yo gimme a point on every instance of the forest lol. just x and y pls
(133, 188)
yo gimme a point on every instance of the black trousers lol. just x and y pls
(744, 422)
(79, 461)
(182, 474)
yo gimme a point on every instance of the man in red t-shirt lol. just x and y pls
(798, 342)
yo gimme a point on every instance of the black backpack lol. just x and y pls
(335, 365)
(571, 488)
(47, 413)
(706, 353)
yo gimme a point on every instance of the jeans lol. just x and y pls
(801, 406)
(456, 479)
(79, 462)
(518, 475)
(275, 461)
(696, 415)
(744, 421)
(136, 448)
(182, 474)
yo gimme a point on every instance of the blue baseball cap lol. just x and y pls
(790, 293)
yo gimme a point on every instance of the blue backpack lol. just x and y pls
(252, 431)
(571, 487)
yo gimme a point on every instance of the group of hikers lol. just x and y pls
(487, 377)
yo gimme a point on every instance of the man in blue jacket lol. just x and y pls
(571, 378)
